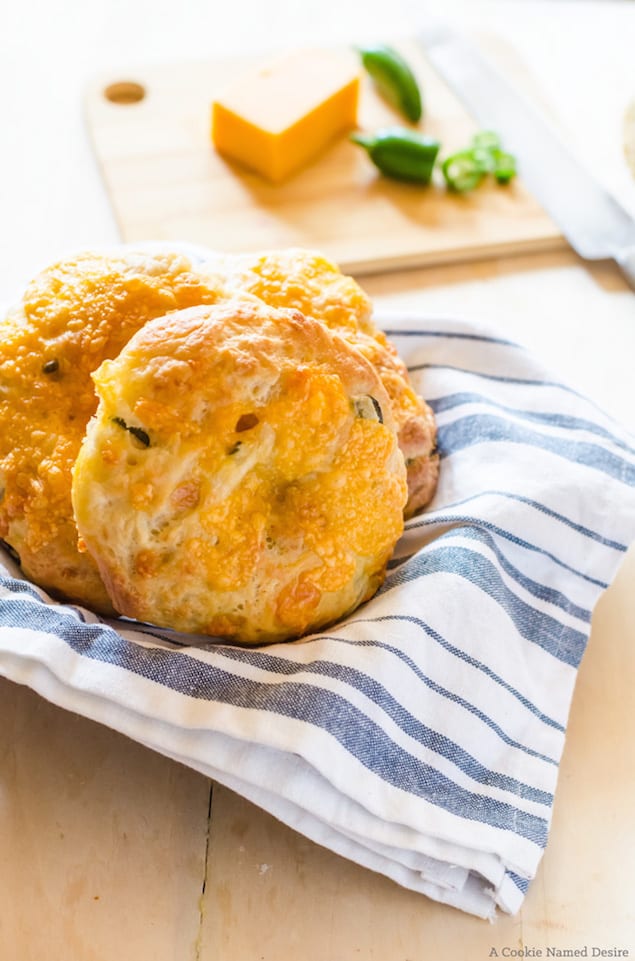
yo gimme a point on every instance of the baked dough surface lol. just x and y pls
(307, 281)
(85, 309)
(73, 315)
(241, 476)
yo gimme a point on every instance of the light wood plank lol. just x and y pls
(275, 896)
(102, 842)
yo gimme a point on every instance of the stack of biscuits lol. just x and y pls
(224, 446)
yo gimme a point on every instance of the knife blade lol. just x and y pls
(591, 219)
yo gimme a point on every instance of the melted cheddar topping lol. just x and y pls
(82, 312)
(72, 316)
(264, 503)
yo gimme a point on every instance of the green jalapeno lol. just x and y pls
(462, 172)
(486, 140)
(504, 166)
(394, 80)
(400, 153)
(137, 432)
(484, 159)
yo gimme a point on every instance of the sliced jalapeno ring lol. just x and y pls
(484, 159)
(504, 166)
(462, 173)
(486, 140)
(394, 80)
(400, 153)
(367, 407)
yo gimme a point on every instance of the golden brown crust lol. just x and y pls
(414, 420)
(73, 315)
(308, 281)
(242, 475)
(301, 279)
(84, 310)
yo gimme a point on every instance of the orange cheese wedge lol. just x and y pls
(279, 117)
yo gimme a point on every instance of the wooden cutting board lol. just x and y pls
(151, 132)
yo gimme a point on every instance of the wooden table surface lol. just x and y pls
(110, 852)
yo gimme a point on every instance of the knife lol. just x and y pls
(591, 219)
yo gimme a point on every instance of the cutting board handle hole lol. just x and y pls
(124, 92)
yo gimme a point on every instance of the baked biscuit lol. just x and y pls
(241, 477)
(414, 420)
(73, 316)
(307, 281)
(298, 278)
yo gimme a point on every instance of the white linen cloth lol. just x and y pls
(421, 736)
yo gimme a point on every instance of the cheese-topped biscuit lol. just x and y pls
(306, 280)
(73, 315)
(295, 277)
(242, 476)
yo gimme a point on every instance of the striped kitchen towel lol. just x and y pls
(421, 736)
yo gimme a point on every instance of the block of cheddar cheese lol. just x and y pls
(278, 117)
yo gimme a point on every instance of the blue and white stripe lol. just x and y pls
(422, 736)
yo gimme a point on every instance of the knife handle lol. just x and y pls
(626, 261)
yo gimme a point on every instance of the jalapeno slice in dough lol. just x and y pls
(367, 407)
(137, 432)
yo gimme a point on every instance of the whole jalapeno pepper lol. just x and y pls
(400, 153)
(394, 79)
